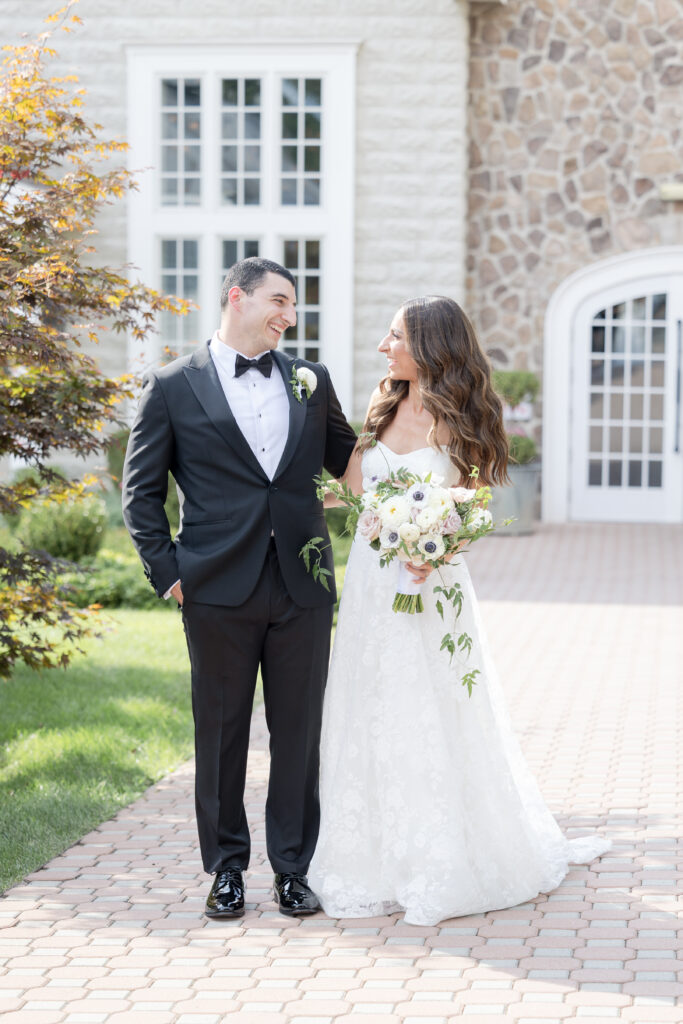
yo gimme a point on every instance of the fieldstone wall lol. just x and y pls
(575, 119)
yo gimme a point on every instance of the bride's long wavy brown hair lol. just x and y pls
(454, 377)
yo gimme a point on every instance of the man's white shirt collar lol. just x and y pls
(225, 355)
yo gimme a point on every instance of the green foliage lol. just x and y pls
(76, 747)
(515, 386)
(112, 580)
(57, 301)
(317, 570)
(523, 449)
(72, 529)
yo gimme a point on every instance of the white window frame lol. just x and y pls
(209, 222)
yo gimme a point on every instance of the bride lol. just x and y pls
(427, 804)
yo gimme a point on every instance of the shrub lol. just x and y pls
(112, 580)
(523, 449)
(72, 529)
(514, 386)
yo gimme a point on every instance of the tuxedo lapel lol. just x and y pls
(202, 377)
(297, 410)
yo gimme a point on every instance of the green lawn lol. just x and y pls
(76, 745)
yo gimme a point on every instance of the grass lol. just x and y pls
(77, 745)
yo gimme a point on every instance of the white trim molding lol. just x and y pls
(559, 332)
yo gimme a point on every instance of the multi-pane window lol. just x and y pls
(241, 141)
(627, 393)
(181, 141)
(300, 149)
(252, 154)
(303, 258)
(180, 276)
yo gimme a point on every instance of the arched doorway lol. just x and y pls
(612, 446)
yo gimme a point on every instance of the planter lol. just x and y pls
(518, 500)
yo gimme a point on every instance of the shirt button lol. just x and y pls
(263, 449)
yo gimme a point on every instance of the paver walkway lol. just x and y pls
(586, 623)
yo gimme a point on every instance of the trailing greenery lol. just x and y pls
(77, 745)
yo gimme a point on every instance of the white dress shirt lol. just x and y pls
(259, 404)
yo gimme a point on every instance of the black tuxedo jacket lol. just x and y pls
(228, 506)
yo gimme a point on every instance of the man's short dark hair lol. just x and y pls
(248, 275)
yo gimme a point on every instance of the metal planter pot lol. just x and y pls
(518, 500)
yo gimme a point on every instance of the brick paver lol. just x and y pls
(586, 625)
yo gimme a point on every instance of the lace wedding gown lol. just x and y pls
(427, 803)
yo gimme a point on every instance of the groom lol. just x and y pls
(243, 437)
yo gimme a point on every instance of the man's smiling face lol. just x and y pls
(269, 310)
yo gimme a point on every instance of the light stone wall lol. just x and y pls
(575, 115)
(410, 135)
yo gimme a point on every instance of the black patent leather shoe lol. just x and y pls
(226, 898)
(294, 896)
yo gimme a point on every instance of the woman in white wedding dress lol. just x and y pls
(427, 804)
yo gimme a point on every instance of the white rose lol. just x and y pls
(307, 378)
(461, 495)
(440, 500)
(426, 518)
(409, 532)
(431, 546)
(394, 511)
(477, 518)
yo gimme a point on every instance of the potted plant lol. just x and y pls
(518, 389)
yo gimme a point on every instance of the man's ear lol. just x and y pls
(235, 296)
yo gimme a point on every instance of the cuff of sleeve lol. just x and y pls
(168, 592)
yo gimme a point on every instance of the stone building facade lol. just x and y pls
(575, 133)
(515, 155)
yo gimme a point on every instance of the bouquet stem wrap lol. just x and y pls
(408, 593)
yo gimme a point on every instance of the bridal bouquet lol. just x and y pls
(413, 519)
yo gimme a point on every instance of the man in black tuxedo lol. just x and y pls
(243, 442)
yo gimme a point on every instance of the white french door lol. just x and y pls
(626, 445)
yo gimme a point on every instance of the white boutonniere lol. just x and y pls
(302, 379)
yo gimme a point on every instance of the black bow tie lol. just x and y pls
(264, 364)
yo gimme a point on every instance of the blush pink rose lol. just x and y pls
(451, 523)
(369, 525)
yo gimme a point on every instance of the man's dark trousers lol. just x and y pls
(227, 645)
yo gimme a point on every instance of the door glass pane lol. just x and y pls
(595, 439)
(614, 478)
(616, 407)
(596, 405)
(659, 307)
(626, 351)
(635, 474)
